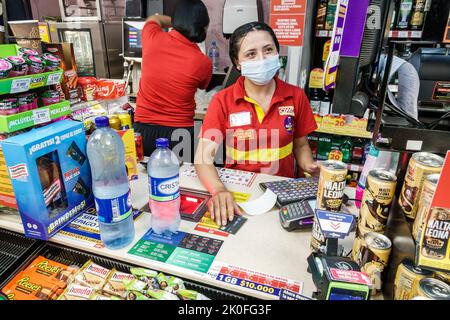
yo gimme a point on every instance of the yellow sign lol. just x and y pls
(326, 50)
(43, 32)
(241, 197)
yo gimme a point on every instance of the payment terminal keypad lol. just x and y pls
(293, 190)
(296, 215)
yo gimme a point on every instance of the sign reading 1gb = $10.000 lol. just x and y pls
(335, 224)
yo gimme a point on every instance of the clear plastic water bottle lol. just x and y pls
(214, 55)
(163, 177)
(105, 151)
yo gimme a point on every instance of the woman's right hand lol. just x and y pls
(222, 207)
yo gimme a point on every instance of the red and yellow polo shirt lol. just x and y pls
(257, 141)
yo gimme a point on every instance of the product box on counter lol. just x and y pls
(130, 152)
(50, 175)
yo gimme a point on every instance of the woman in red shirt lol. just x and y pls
(263, 121)
(173, 68)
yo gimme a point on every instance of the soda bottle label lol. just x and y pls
(113, 210)
(164, 189)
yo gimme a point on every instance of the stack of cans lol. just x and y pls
(372, 248)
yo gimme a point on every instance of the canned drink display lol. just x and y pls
(114, 122)
(427, 193)
(373, 257)
(436, 237)
(443, 276)
(139, 146)
(421, 165)
(433, 289)
(377, 199)
(329, 195)
(407, 280)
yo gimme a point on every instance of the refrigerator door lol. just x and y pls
(113, 38)
(112, 10)
(80, 10)
(88, 43)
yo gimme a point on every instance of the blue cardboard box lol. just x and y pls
(50, 175)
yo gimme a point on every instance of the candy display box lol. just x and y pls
(50, 175)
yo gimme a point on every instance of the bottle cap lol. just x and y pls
(162, 143)
(101, 122)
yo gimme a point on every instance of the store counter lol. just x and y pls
(261, 247)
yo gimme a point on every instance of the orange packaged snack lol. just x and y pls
(29, 286)
(51, 269)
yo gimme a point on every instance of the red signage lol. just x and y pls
(287, 19)
(350, 276)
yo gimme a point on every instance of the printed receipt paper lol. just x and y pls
(261, 205)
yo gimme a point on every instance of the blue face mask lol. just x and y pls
(260, 72)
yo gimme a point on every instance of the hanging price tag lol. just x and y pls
(41, 116)
(54, 78)
(20, 85)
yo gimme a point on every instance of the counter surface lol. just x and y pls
(261, 245)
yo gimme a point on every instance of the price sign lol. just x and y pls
(54, 78)
(20, 85)
(41, 116)
(335, 224)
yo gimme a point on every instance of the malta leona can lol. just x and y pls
(420, 166)
(377, 199)
(329, 195)
(433, 289)
(428, 189)
(407, 280)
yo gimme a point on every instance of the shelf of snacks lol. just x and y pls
(30, 118)
(343, 125)
(23, 69)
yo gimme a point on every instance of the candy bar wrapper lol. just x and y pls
(32, 286)
(92, 275)
(77, 292)
(82, 188)
(161, 294)
(75, 153)
(115, 284)
(191, 295)
(146, 275)
(170, 284)
(52, 269)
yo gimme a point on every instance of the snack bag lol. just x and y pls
(170, 284)
(136, 295)
(98, 296)
(135, 285)
(32, 286)
(161, 294)
(92, 275)
(147, 276)
(52, 269)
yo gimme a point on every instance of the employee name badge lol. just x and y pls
(240, 119)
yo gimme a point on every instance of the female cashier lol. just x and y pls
(173, 68)
(262, 121)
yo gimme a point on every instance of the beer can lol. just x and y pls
(443, 276)
(377, 199)
(433, 289)
(329, 195)
(427, 193)
(114, 122)
(436, 237)
(421, 165)
(373, 257)
(407, 280)
(125, 120)
(359, 240)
